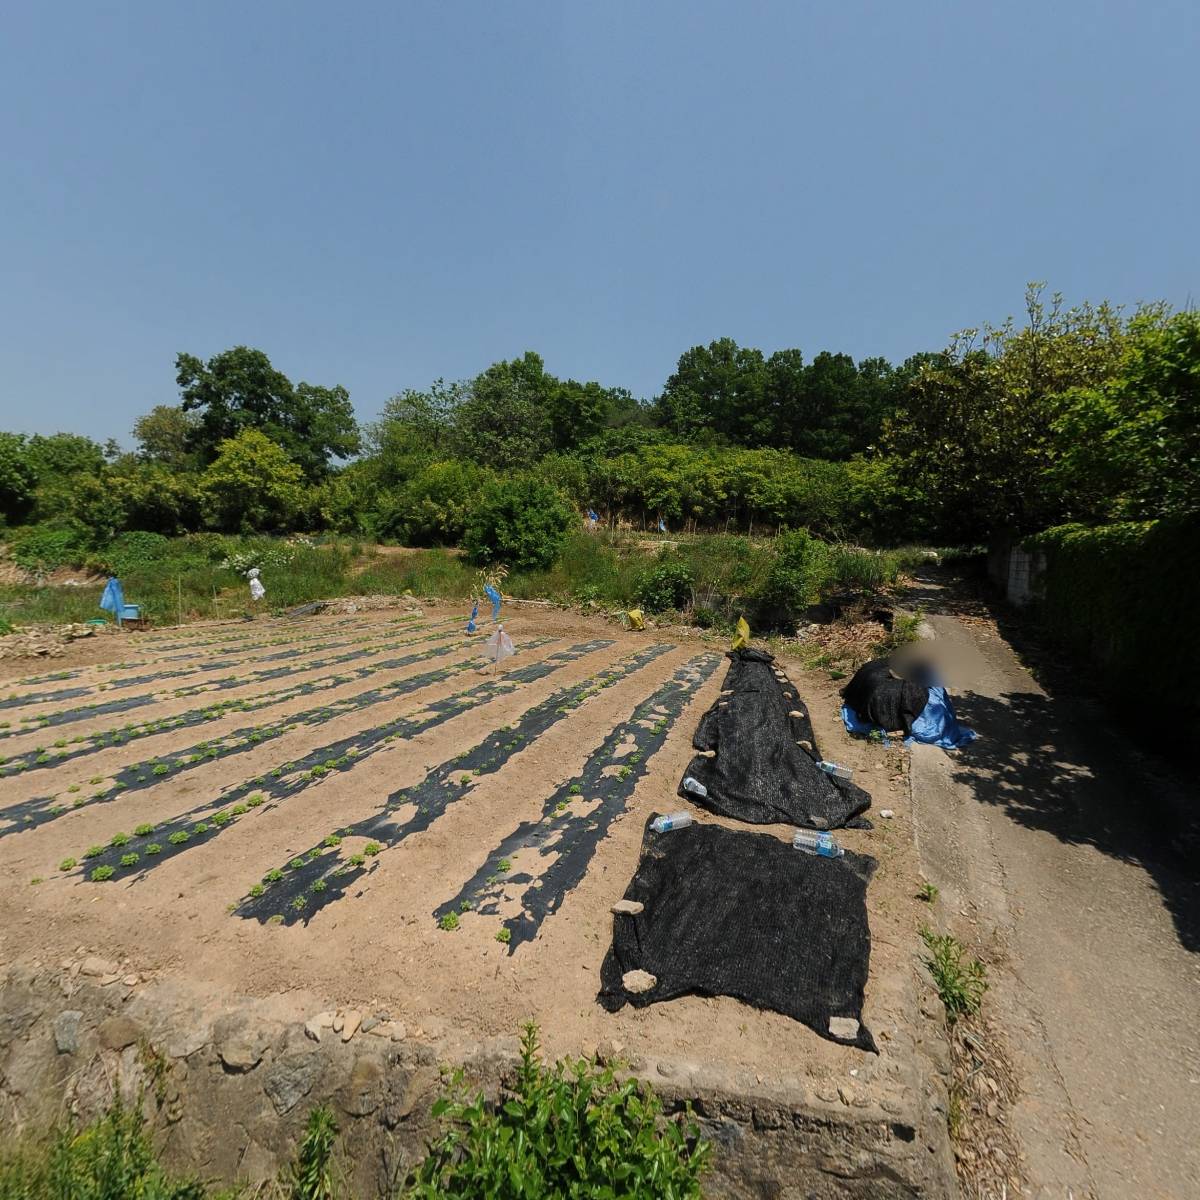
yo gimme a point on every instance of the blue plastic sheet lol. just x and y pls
(113, 598)
(474, 615)
(936, 726)
(494, 596)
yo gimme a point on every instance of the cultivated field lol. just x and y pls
(358, 811)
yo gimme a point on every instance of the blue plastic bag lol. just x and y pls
(113, 598)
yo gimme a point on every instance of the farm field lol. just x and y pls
(357, 810)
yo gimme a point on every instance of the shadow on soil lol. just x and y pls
(1059, 763)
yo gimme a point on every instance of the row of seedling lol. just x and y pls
(577, 815)
(428, 800)
(291, 777)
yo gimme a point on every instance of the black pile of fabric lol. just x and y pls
(765, 768)
(888, 694)
(729, 913)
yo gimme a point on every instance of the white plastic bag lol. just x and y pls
(499, 646)
(257, 591)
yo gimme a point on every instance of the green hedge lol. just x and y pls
(1124, 596)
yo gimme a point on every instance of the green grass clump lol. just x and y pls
(449, 921)
(504, 936)
(961, 984)
(67, 864)
(371, 849)
(571, 1129)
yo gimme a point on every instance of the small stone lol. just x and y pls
(66, 1031)
(805, 746)
(108, 980)
(708, 754)
(312, 1029)
(369, 1023)
(350, 1026)
(628, 907)
(118, 1032)
(97, 967)
(188, 1041)
(240, 1046)
(846, 1093)
(637, 982)
(886, 813)
(399, 1031)
(130, 980)
(291, 1079)
(796, 713)
(339, 1022)
(665, 1069)
(843, 1027)
(609, 1051)
(588, 1051)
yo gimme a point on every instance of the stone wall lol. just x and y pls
(1016, 572)
(228, 1090)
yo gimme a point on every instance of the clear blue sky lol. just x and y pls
(379, 194)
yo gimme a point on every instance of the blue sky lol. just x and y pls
(380, 194)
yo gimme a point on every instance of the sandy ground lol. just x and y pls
(378, 945)
(1051, 839)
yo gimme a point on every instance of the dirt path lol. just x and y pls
(1047, 838)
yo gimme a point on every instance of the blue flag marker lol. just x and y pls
(494, 596)
(474, 614)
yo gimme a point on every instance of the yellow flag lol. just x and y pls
(635, 619)
(741, 639)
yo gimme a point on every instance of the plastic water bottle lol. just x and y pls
(817, 843)
(832, 768)
(679, 820)
(695, 787)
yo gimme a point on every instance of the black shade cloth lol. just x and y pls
(761, 772)
(734, 913)
(877, 696)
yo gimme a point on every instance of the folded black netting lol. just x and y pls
(879, 696)
(734, 913)
(765, 768)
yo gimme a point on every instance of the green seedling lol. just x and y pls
(299, 903)
(93, 852)
(960, 984)
(239, 809)
(129, 860)
(575, 789)
(79, 801)
(319, 886)
(154, 848)
(179, 837)
(274, 875)
(927, 892)
(74, 788)
(357, 860)
(222, 817)
(143, 830)
(465, 906)
(504, 936)
(332, 839)
(200, 828)
(255, 800)
(372, 848)
(159, 769)
(277, 919)
(36, 880)
(119, 839)
(561, 806)
(296, 864)
(100, 874)
(449, 921)
(257, 890)
(504, 865)
(67, 864)
(464, 780)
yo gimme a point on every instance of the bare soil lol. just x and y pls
(379, 946)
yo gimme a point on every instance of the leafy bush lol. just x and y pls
(521, 522)
(566, 1131)
(668, 584)
(795, 579)
(61, 544)
(111, 1159)
(960, 983)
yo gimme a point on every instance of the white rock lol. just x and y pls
(843, 1027)
(637, 982)
(631, 907)
(352, 1022)
(886, 813)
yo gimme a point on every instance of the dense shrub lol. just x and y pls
(521, 522)
(44, 547)
(795, 579)
(432, 508)
(567, 1131)
(667, 584)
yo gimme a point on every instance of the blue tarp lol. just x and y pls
(936, 726)
(113, 599)
(471, 622)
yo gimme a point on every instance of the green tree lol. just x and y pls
(505, 421)
(154, 497)
(239, 389)
(18, 478)
(721, 388)
(1130, 447)
(252, 486)
(163, 435)
(63, 455)
(521, 522)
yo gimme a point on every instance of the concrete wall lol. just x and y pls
(1016, 571)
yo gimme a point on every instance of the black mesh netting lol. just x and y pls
(761, 773)
(879, 694)
(733, 913)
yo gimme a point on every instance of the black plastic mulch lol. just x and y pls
(734, 913)
(765, 768)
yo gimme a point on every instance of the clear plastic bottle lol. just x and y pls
(679, 820)
(816, 842)
(694, 786)
(832, 768)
